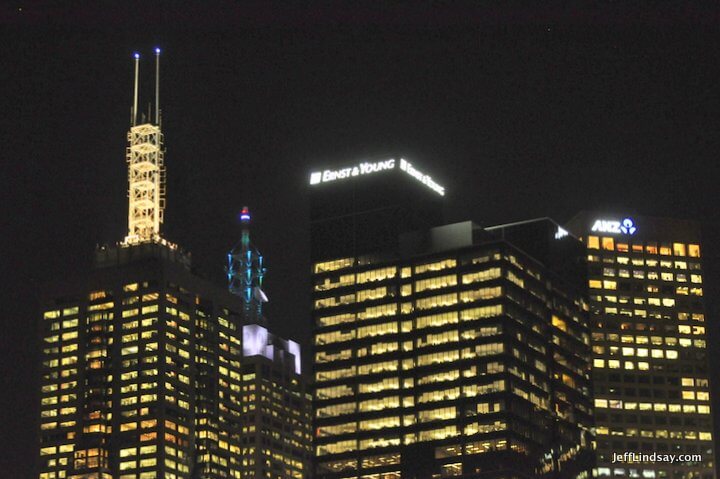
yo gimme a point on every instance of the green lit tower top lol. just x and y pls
(245, 272)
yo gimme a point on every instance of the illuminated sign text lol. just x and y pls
(365, 168)
(626, 226)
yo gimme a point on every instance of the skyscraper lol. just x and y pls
(649, 343)
(141, 360)
(277, 426)
(141, 371)
(445, 351)
(145, 373)
(276, 423)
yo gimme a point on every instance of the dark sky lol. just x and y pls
(518, 112)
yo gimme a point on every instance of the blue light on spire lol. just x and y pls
(245, 215)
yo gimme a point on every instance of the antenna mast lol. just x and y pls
(157, 86)
(135, 90)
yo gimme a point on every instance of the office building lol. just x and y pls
(276, 423)
(447, 351)
(649, 343)
(144, 370)
(141, 371)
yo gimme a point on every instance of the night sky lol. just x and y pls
(518, 112)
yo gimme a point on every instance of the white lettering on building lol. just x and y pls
(426, 180)
(626, 226)
(366, 168)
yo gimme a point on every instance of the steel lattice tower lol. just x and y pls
(245, 271)
(146, 168)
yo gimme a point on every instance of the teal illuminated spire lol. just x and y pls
(245, 272)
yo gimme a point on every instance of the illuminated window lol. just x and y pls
(694, 250)
(382, 385)
(379, 442)
(436, 266)
(335, 374)
(377, 330)
(437, 434)
(379, 404)
(607, 284)
(334, 392)
(593, 242)
(379, 367)
(378, 311)
(334, 430)
(334, 265)
(481, 312)
(379, 423)
(441, 395)
(479, 276)
(337, 447)
(559, 323)
(437, 320)
(439, 377)
(334, 301)
(480, 294)
(436, 301)
(608, 243)
(438, 338)
(435, 358)
(436, 283)
(337, 319)
(377, 274)
(336, 410)
(334, 337)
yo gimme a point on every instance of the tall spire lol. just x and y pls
(245, 272)
(146, 168)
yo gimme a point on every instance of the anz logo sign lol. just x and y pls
(625, 227)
